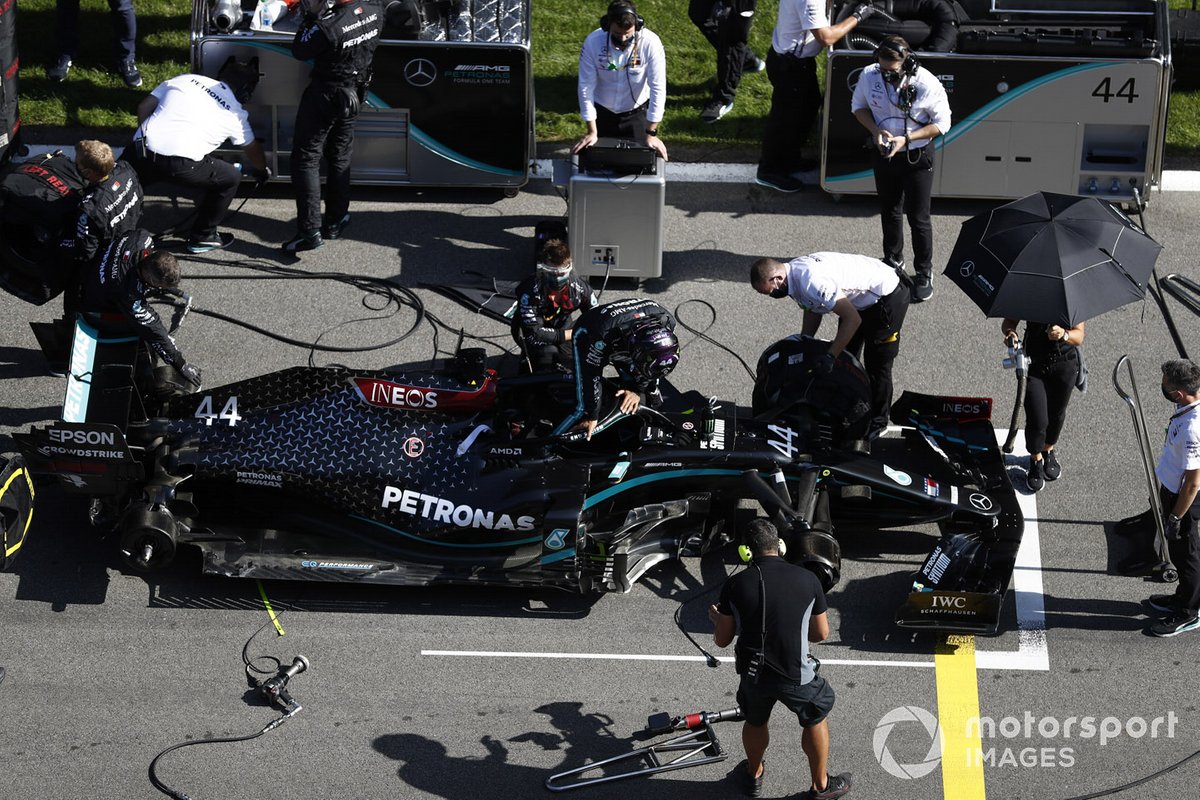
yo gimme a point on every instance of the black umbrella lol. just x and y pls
(1052, 258)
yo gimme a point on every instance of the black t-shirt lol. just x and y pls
(793, 596)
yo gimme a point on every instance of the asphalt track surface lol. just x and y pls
(410, 693)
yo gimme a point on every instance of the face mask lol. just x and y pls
(779, 291)
(891, 76)
(1170, 395)
(619, 42)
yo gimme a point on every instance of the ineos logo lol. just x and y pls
(980, 501)
(420, 72)
(966, 269)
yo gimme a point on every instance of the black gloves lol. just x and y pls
(192, 373)
(1170, 526)
(865, 10)
(260, 176)
(824, 364)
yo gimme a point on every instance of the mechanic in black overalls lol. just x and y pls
(637, 337)
(546, 302)
(118, 281)
(340, 38)
(110, 205)
(1053, 353)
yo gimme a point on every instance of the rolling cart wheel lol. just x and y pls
(1169, 575)
(512, 191)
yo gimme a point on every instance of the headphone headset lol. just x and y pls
(895, 47)
(618, 10)
(745, 554)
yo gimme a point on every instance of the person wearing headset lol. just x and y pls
(776, 609)
(867, 297)
(546, 302)
(637, 338)
(119, 280)
(904, 107)
(622, 80)
(339, 37)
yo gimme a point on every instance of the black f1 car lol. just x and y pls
(446, 476)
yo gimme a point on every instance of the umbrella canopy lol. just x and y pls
(1052, 258)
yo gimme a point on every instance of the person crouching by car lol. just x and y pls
(546, 303)
(118, 282)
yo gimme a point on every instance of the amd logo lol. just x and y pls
(505, 451)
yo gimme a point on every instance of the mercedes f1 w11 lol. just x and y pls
(447, 476)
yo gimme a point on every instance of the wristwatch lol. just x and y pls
(652, 131)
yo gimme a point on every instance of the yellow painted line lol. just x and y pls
(270, 611)
(958, 716)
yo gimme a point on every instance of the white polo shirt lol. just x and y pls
(883, 99)
(1181, 447)
(194, 116)
(621, 80)
(817, 280)
(794, 26)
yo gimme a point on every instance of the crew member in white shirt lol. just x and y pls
(1178, 473)
(869, 301)
(904, 107)
(182, 122)
(622, 80)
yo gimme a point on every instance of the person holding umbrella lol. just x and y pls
(1053, 352)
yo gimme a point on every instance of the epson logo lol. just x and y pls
(484, 68)
(81, 437)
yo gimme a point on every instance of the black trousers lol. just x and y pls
(217, 183)
(1047, 393)
(123, 21)
(623, 124)
(877, 341)
(795, 103)
(728, 35)
(323, 128)
(1185, 552)
(904, 184)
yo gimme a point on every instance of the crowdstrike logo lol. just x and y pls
(904, 716)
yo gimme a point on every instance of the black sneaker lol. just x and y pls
(780, 183)
(1166, 603)
(129, 73)
(333, 230)
(1036, 477)
(894, 263)
(1052, 468)
(309, 240)
(1179, 622)
(922, 288)
(835, 786)
(752, 786)
(714, 111)
(60, 70)
(215, 241)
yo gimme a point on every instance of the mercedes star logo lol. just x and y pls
(420, 72)
(980, 501)
(966, 269)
